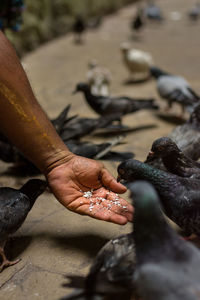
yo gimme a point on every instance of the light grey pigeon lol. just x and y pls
(153, 12)
(175, 89)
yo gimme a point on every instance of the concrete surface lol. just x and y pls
(53, 241)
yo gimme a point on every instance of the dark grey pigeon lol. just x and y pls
(91, 150)
(79, 127)
(175, 89)
(180, 196)
(111, 273)
(14, 207)
(174, 160)
(60, 121)
(167, 268)
(114, 105)
(187, 136)
(194, 13)
(137, 22)
(78, 28)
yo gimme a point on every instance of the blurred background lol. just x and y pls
(44, 20)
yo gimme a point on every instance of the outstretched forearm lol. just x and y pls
(22, 119)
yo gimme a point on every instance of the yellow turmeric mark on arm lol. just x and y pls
(13, 99)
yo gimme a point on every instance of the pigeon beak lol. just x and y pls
(151, 154)
(119, 178)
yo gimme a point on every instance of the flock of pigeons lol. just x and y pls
(153, 261)
(154, 13)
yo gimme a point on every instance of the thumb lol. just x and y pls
(111, 183)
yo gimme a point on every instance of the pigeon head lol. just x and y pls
(82, 87)
(153, 236)
(92, 64)
(148, 217)
(162, 147)
(195, 116)
(144, 196)
(33, 188)
(125, 47)
(156, 72)
(128, 169)
(132, 170)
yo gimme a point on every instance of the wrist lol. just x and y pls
(57, 159)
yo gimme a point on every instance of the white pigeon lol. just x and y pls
(137, 61)
(99, 79)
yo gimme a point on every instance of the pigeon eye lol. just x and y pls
(121, 171)
(160, 148)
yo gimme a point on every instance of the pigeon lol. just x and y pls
(11, 154)
(138, 62)
(180, 196)
(99, 78)
(153, 12)
(194, 13)
(137, 23)
(175, 89)
(91, 150)
(60, 121)
(78, 28)
(119, 105)
(111, 273)
(167, 267)
(79, 127)
(174, 160)
(14, 207)
(186, 137)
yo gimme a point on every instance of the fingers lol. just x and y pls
(101, 204)
(110, 182)
(104, 205)
(101, 213)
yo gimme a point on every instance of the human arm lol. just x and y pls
(28, 127)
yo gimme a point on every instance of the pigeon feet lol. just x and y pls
(192, 237)
(7, 263)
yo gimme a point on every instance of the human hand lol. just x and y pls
(85, 186)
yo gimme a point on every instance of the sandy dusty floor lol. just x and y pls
(53, 241)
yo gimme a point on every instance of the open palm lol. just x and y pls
(86, 187)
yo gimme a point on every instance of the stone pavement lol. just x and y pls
(53, 241)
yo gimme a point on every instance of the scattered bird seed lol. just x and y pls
(93, 202)
(87, 194)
